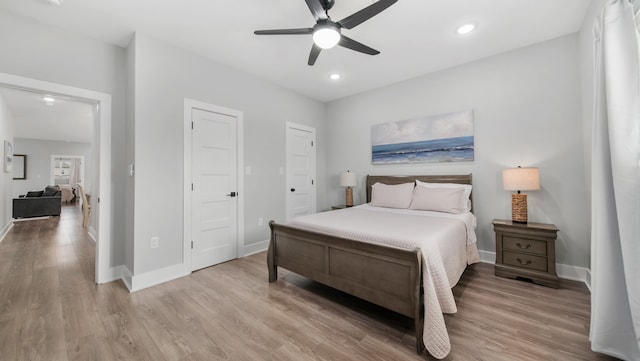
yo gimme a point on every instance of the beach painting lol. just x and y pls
(436, 138)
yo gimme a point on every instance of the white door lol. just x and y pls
(214, 196)
(301, 170)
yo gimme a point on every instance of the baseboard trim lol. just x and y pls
(156, 277)
(115, 273)
(30, 219)
(127, 277)
(574, 273)
(564, 271)
(5, 230)
(153, 278)
(92, 233)
(487, 257)
(92, 237)
(255, 248)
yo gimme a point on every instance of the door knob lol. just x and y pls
(232, 194)
(293, 189)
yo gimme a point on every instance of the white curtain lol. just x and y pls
(615, 227)
(74, 174)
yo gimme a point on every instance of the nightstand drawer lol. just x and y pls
(524, 245)
(524, 261)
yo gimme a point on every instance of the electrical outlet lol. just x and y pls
(155, 242)
(260, 221)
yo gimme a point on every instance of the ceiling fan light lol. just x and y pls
(326, 37)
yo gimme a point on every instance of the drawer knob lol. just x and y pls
(526, 246)
(524, 263)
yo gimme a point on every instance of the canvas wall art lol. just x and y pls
(436, 138)
(8, 156)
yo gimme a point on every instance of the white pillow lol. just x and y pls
(392, 196)
(465, 202)
(437, 199)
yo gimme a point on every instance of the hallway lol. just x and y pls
(47, 273)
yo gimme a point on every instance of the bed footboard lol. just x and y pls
(386, 276)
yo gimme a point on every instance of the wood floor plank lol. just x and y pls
(42, 336)
(51, 309)
(90, 348)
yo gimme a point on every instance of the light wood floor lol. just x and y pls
(50, 309)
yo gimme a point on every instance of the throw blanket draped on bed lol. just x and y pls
(447, 242)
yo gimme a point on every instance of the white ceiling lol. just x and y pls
(415, 37)
(67, 120)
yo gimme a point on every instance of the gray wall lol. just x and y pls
(527, 106)
(38, 51)
(164, 76)
(39, 162)
(527, 111)
(6, 179)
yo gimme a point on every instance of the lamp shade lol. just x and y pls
(521, 179)
(348, 179)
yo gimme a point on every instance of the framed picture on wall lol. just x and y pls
(435, 138)
(19, 166)
(8, 156)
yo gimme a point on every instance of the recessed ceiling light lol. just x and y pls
(466, 29)
(55, 2)
(334, 76)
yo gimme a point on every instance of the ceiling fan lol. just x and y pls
(327, 33)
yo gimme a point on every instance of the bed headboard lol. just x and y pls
(390, 179)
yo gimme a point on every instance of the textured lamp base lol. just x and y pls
(519, 207)
(349, 197)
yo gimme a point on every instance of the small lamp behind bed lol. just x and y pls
(520, 179)
(348, 179)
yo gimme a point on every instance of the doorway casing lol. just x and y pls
(104, 272)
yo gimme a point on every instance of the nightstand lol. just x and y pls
(526, 250)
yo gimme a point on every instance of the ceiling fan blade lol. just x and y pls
(315, 51)
(365, 14)
(284, 31)
(354, 45)
(317, 9)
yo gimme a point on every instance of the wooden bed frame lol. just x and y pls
(384, 275)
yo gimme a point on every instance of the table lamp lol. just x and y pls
(520, 179)
(348, 179)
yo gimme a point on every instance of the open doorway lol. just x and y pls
(102, 155)
(67, 172)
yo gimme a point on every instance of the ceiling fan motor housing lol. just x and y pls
(327, 4)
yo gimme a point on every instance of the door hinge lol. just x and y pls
(192, 187)
(312, 182)
(191, 244)
(191, 125)
(312, 143)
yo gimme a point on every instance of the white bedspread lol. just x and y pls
(447, 242)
